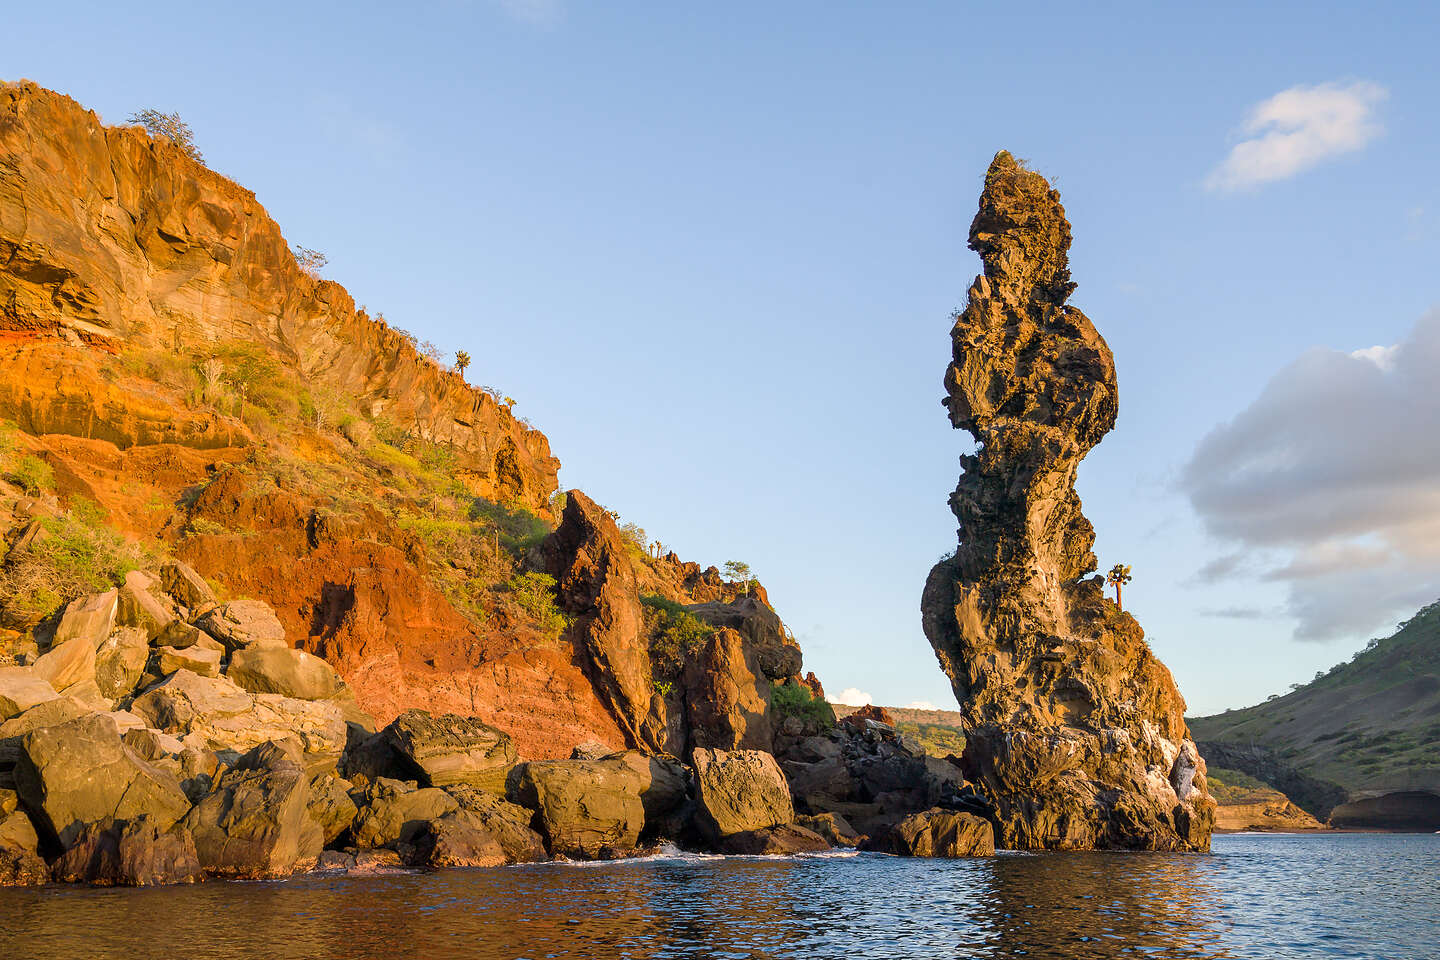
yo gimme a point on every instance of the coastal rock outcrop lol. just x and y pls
(1073, 728)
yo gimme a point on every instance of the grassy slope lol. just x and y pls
(1372, 724)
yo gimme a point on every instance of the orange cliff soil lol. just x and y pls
(126, 268)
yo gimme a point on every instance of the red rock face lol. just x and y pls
(1072, 725)
(358, 596)
(111, 239)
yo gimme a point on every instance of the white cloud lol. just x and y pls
(921, 705)
(854, 698)
(1296, 129)
(1332, 475)
(541, 13)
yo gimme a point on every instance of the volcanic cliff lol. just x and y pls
(175, 375)
(1074, 729)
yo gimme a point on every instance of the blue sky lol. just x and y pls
(712, 251)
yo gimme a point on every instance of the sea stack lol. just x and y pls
(1073, 727)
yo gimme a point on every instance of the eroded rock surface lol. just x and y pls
(1073, 727)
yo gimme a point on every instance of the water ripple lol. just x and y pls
(1358, 897)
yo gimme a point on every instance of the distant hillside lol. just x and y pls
(1366, 729)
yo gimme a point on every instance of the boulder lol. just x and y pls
(783, 840)
(585, 809)
(943, 833)
(455, 840)
(68, 663)
(187, 588)
(80, 772)
(282, 670)
(120, 662)
(243, 623)
(215, 713)
(20, 861)
(180, 635)
(196, 659)
(727, 698)
(135, 853)
(90, 618)
(451, 750)
(507, 822)
(739, 791)
(46, 714)
(394, 811)
(140, 607)
(331, 806)
(22, 688)
(256, 823)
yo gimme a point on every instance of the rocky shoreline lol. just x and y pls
(165, 737)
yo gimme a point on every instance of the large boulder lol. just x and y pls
(215, 713)
(49, 713)
(120, 662)
(142, 606)
(451, 750)
(508, 823)
(243, 623)
(739, 791)
(282, 670)
(135, 853)
(80, 772)
(394, 811)
(455, 840)
(20, 861)
(22, 688)
(67, 664)
(585, 809)
(187, 588)
(943, 833)
(197, 659)
(727, 698)
(89, 617)
(256, 823)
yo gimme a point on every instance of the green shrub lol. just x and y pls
(534, 592)
(397, 460)
(74, 555)
(518, 528)
(793, 699)
(32, 474)
(672, 632)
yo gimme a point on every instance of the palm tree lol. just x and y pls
(1118, 576)
(462, 360)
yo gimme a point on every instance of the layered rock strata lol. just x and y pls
(1073, 727)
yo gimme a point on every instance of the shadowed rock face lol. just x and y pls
(1073, 727)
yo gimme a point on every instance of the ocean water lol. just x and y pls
(1270, 897)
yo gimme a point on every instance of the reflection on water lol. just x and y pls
(1264, 897)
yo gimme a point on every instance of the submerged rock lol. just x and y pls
(1073, 727)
